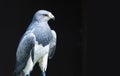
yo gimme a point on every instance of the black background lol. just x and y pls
(72, 56)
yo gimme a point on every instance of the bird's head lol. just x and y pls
(43, 15)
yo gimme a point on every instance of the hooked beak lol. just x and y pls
(51, 16)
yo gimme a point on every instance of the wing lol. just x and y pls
(23, 52)
(52, 44)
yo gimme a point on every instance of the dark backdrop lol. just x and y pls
(70, 58)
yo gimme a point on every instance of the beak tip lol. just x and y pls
(54, 18)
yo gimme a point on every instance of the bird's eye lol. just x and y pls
(45, 15)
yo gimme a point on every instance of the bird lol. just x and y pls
(37, 45)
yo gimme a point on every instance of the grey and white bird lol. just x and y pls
(37, 45)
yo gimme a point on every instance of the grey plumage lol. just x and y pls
(38, 41)
(23, 52)
(52, 45)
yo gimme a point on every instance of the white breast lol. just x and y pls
(40, 51)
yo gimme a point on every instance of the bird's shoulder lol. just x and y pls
(27, 39)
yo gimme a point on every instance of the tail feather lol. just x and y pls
(21, 74)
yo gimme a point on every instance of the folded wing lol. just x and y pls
(23, 52)
(52, 44)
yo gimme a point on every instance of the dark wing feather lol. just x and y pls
(23, 52)
(52, 44)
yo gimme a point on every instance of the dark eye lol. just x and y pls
(45, 15)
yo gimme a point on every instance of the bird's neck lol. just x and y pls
(38, 24)
(40, 21)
